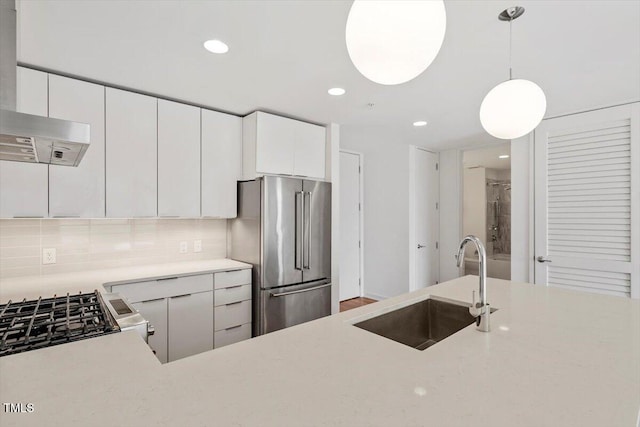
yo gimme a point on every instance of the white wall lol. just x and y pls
(450, 212)
(474, 204)
(521, 204)
(386, 209)
(332, 173)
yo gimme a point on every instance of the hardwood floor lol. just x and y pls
(355, 303)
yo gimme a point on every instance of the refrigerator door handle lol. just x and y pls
(306, 238)
(299, 231)
(299, 291)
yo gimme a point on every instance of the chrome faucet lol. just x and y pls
(480, 310)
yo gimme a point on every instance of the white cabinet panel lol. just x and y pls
(232, 335)
(190, 324)
(309, 150)
(24, 186)
(275, 144)
(131, 154)
(155, 311)
(234, 314)
(221, 163)
(178, 159)
(78, 191)
(224, 279)
(232, 294)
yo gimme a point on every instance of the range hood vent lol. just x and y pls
(26, 137)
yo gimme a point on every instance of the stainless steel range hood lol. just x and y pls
(25, 137)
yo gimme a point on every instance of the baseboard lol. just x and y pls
(375, 296)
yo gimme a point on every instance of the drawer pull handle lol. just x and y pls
(152, 300)
(182, 296)
(234, 287)
(233, 303)
(233, 327)
(166, 278)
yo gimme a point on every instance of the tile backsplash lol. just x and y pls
(86, 244)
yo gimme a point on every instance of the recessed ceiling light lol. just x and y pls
(420, 123)
(504, 156)
(216, 46)
(336, 91)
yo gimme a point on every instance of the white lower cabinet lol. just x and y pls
(190, 324)
(179, 308)
(233, 307)
(155, 311)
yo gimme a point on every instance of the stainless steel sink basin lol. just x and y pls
(422, 324)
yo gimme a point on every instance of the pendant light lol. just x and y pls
(515, 107)
(392, 42)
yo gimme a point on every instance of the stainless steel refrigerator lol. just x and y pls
(283, 228)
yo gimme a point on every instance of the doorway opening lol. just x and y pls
(486, 207)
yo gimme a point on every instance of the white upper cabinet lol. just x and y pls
(221, 163)
(131, 154)
(282, 146)
(78, 191)
(309, 153)
(178, 159)
(24, 186)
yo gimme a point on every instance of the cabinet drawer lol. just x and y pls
(233, 314)
(233, 294)
(164, 288)
(232, 335)
(225, 279)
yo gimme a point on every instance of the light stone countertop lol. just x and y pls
(32, 287)
(553, 358)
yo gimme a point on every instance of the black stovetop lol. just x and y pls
(29, 325)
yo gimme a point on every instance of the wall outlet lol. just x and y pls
(184, 247)
(197, 246)
(49, 256)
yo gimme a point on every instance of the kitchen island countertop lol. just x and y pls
(553, 358)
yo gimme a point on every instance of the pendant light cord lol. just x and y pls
(510, 50)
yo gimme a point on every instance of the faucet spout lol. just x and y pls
(480, 309)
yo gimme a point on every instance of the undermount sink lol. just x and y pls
(422, 324)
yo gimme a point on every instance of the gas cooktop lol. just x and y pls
(34, 324)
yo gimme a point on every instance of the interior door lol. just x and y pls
(316, 241)
(349, 226)
(426, 218)
(587, 203)
(282, 231)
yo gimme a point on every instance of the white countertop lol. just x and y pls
(32, 287)
(567, 359)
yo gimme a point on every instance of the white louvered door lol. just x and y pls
(587, 201)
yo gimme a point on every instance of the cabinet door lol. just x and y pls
(24, 186)
(190, 324)
(221, 163)
(78, 191)
(178, 159)
(131, 154)
(309, 154)
(275, 144)
(155, 311)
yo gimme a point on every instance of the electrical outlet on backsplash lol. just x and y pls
(86, 244)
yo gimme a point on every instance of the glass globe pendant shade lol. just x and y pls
(513, 109)
(392, 42)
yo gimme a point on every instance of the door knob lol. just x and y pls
(421, 246)
(542, 259)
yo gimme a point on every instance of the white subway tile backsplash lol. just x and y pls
(86, 244)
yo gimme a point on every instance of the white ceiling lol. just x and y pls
(286, 54)
(488, 157)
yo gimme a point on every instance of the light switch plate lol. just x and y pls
(184, 247)
(197, 246)
(49, 255)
